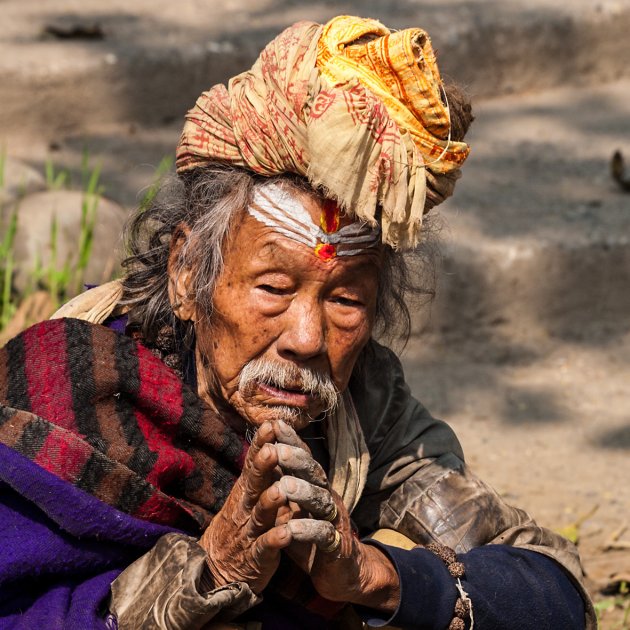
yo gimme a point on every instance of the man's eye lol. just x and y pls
(268, 288)
(344, 301)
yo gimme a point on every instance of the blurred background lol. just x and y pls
(526, 348)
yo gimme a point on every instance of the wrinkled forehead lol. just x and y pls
(312, 221)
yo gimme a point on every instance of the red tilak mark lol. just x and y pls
(330, 216)
(325, 251)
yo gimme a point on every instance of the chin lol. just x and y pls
(294, 417)
(297, 422)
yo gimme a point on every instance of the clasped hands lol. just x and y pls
(282, 501)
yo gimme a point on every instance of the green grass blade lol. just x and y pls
(7, 307)
(162, 169)
(3, 164)
(51, 271)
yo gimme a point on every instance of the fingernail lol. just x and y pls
(284, 532)
(265, 451)
(290, 485)
(284, 427)
(283, 451)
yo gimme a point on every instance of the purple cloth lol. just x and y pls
(60, 549)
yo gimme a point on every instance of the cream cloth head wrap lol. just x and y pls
(355, 108)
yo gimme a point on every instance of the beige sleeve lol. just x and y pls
(170, 588)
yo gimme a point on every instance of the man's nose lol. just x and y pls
(304, 333)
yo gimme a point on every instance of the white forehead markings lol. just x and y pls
(279, 210)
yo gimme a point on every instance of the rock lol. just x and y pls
(18, 179)
(33, 236)
(35, 308)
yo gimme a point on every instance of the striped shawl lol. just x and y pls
(100, 411)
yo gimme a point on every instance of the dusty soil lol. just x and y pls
(546, 424)
(528, 354)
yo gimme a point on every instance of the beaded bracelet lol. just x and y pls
(463, 605)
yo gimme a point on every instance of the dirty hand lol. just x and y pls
(323, 544)
(354, 572)
(244, 540)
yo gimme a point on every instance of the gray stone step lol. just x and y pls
(538, 233)
(535, 238)
(151, 58)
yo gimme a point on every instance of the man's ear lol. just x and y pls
(180, 292)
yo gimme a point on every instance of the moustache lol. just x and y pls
(291, 377)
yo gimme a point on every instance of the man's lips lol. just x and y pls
(293, 398)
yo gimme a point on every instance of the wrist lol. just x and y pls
(214, 573)
(378, 584)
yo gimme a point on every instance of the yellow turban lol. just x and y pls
(355, 108)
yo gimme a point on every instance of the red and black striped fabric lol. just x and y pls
(100, 411)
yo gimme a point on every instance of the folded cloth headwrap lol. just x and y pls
(359, 110)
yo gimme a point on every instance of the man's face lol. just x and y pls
(277, 303)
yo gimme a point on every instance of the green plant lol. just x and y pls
(7, 307)
(61, 279)
(53, 279)
(55, 180)
(6, 251)
(163, 167)
(3, 161)
(92, 192)
(617, 602)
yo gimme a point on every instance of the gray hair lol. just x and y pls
(288, 375)
(210, 201)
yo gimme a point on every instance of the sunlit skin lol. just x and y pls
(277, 300)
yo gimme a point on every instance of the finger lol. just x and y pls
(259, 475)
(264, 556)
(265, 434)
(318, 501)
(286, 434)
(297, 462)
(322, 534)
(265, 513)
(289, 511)
(266, 548)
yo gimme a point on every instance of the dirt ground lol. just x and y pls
(547, 425)
(529, 359)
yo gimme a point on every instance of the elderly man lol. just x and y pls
(239, 448)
